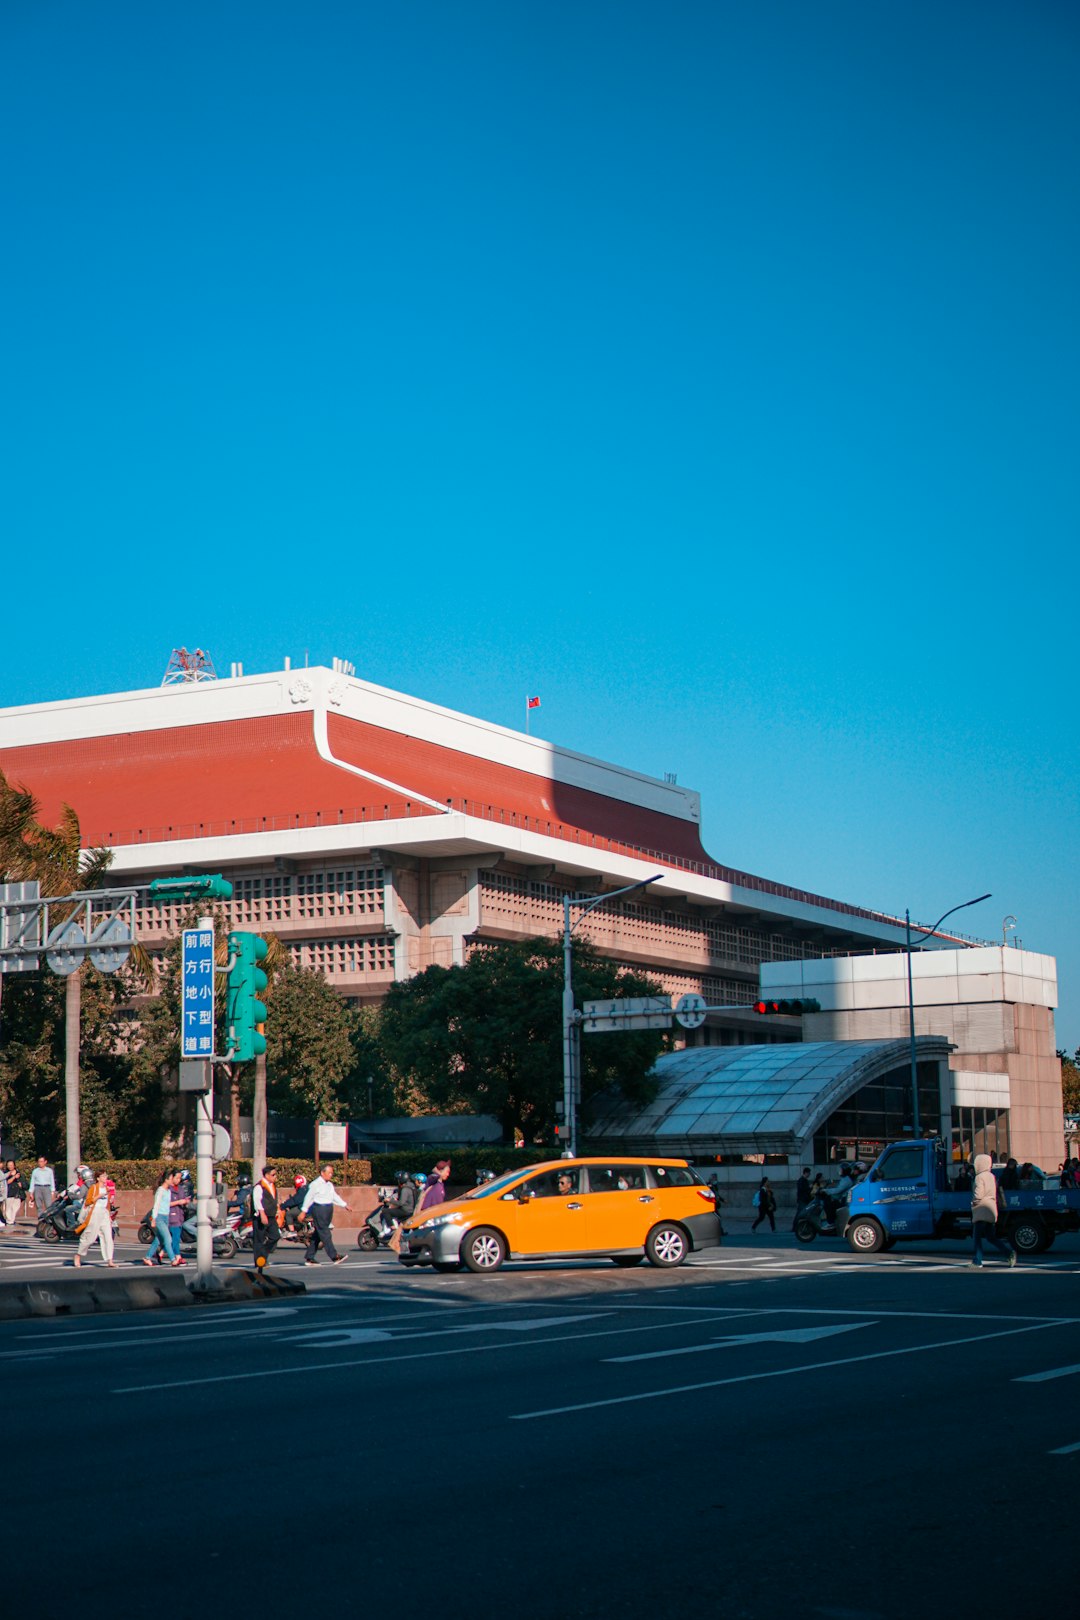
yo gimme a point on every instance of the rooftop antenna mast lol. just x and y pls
(186, 667)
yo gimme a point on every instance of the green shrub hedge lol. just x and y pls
(130, 1174)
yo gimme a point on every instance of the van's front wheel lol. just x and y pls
(865, 1236)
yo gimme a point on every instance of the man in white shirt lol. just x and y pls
(42, 1185)
(319, 1201)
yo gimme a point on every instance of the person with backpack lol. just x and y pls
(765, 1204)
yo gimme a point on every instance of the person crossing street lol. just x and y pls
(319, 1201)
(264, 1221)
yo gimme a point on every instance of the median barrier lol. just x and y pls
(87, 1296)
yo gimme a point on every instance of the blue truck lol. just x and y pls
(910, 1192)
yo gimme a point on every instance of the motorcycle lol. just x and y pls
(813, 1221)
(380, 1226)
(59, 1221)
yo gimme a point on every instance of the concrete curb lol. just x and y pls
(166, 1290)
(86, 1296)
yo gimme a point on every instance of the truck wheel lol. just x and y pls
(805, 1231)
(865, 1235)
(1028, 1234)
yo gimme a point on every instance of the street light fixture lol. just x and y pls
(571, 1029)
(911, 998)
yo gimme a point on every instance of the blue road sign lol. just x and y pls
(197, 994)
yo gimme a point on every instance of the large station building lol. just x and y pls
(377, 834)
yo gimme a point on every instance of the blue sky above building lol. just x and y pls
(708, 370)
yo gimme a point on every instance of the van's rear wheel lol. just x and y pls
(667, 1245)
(1028, 1234)
(865, 1236)
(484, 1249)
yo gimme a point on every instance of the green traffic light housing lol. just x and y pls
(164, 891)
(788, 1009)
(244, 1009)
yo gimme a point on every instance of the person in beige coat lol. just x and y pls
(95, 1224)
(984, 1212)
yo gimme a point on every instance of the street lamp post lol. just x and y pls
(911, 998)
(571, 1029)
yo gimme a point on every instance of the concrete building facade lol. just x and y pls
(995, 1007)
(377, 834)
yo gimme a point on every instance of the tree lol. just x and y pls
(487, 1037)
(1070, 1081)
(54, 856)
(310, 1043)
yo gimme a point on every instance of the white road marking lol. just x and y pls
(782, 1372)
(1063, 1451)
(331, 1338)
(1044, 1377)
(422, 1355)
(805, 1335)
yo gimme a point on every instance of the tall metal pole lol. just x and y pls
(926, 932)
(571, 1030)
(72, 1033)
(204, 1168)
(569, 1110)
(911, 1028)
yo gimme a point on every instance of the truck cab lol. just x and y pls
(909, 1193)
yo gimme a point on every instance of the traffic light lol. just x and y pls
(789, 1009)
(244, 1009)
(167, 890)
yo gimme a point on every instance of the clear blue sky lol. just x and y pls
(709, 370)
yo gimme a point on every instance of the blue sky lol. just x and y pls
(709, 370)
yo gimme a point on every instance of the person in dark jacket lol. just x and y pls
(264, 1217)
(766, 1205)
(804, 1192)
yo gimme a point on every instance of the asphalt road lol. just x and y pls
(769, 1428)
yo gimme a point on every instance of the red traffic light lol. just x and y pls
(788, 1009)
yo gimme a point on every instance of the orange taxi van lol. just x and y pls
(619, 1208)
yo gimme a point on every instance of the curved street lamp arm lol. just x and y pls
(926, 932)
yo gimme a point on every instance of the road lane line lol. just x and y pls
(804, 1335)
(423, 1355)
(1063, 1451)
(782, 1372)
(1044, 1377)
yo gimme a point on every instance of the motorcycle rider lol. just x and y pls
(294, 1202)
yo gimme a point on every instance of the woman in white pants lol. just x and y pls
(96, 1223)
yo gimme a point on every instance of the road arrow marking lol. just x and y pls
(805, 1335)
(331, 1338)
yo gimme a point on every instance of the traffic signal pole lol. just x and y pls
(204, 1171)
